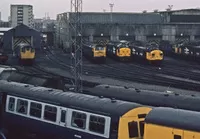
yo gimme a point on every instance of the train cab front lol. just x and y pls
(99, 53)
(155, 56)
(131, 124)
(124, 53)
(27, 55)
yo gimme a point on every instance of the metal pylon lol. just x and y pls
(76, 43)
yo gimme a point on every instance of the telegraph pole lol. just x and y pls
(76, 44)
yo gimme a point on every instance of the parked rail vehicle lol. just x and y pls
(188, 50)
(170, 123)
(3, 57)
(54, 114)
(146, 97)
(147, 52)
(119, 50)
(166, 47)
(95, 52)
(25, 53)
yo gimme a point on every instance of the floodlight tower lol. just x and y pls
(76, 43)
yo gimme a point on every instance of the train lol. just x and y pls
(149, 52)
(50, 113)
(187, 50)
(95, 52)
(119, 50)
(146, 97)
(25, 54)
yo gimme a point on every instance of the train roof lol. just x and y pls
(175, 118)
(88, 103)
(146, 97)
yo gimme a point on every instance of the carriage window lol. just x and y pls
(63, 116)
(22, 106)
(177, 137)
(133, 129)
(50, 113)
(142, 115)
(97, 124)
(35, 110)
(78, 120)
(11, 105)
(141, 128)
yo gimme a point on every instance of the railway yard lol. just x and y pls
(139, 73)
(174, 77)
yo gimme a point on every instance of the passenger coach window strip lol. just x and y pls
(22, 106)
(78, 120)
(11, 105)
(97, 124)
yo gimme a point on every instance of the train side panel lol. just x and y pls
(162, 132)
(131, 125)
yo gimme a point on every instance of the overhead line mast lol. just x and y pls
(76, 43)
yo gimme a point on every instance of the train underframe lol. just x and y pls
(26, 61)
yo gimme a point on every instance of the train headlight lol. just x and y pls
(133, 51)
(197, 54)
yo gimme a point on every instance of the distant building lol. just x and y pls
(44, 25)
(21, 14)
(4, 24)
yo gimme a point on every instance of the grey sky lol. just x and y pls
(58, 6)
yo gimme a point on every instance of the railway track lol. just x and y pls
(134, 75)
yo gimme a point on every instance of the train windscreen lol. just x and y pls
(99, 47)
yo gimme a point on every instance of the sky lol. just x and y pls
(54, 7)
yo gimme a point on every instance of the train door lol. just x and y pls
(63, 117)
(177, 134)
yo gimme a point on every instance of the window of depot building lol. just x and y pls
(35, 110)
(22, 106)
(177, 137)
(97, 124)
(11, 105)
(133, 129)
(78, 120)
(50, 113)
